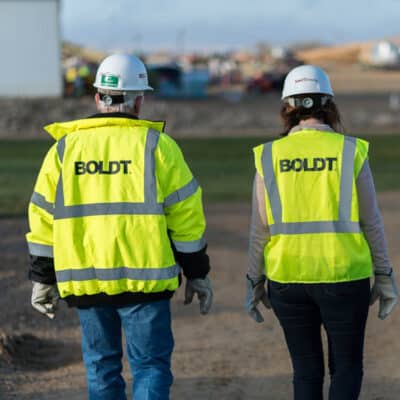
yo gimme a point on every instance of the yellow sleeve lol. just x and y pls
(41, 207)
(182, 197)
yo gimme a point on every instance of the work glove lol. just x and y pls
(45, 298)
(254, 294)
(203, 289)
(385, 290)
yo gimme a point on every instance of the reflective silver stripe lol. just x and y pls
(59, 206)
(190, 247)
(270, 183)
(41, 250)
(344, 225)
(112, 274)
(39, 200)
(294, 228)
(182, 194)
(346, 181)
(87, 210)
(60, 190)
(149, 207)
(150, 184)
(61, 148)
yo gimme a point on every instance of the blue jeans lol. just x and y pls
(149, 345)
(342, 309)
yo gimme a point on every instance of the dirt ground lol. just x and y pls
(224, 355)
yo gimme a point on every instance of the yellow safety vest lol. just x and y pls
(312, 207)
(111, 194)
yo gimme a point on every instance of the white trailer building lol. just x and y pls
(30, 48)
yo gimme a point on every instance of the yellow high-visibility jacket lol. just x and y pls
(312, 207)
(111, 194)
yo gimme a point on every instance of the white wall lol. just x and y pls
(30, 59)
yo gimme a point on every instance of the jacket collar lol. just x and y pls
(114, 115)
(313, 127)
(59, 129)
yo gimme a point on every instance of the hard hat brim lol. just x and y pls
(124, 89)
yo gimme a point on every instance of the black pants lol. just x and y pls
(342, 308)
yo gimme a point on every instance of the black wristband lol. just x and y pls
(262, 279)
(383, 274)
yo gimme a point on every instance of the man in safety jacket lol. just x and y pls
(115, 214)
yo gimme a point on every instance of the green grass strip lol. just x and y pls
(223, 166)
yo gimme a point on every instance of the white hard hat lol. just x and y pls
(306, 79)
(122, 72)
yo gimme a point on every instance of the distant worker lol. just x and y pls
(317, 235)
(70, 78)
(114, 216)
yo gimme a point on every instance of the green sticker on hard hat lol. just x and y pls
(109, 80)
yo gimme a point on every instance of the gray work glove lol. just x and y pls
(385, 290)
(45, 298)
(203, 289)
(255, 292)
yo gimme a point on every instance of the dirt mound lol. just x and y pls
(86, 54)
(28, 352)
(345, 54)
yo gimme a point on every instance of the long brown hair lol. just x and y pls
(328, 114)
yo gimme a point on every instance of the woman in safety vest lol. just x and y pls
(317, 235)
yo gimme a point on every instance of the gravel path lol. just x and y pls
(222, 356)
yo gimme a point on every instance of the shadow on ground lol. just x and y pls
(30, 353)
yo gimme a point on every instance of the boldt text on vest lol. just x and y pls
(307, 164)
(101, 167)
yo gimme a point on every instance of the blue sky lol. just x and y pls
(224, 24)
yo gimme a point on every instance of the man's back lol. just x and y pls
(114, 216)
(121, 188)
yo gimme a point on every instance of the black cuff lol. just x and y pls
(383, 273)
(194, 265)
(42, 270)
(255, 283)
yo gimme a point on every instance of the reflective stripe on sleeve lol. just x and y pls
(40, 250)
(39, 200)
(295, 228)
(190, 247)
(112, 274)
(182, 193)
